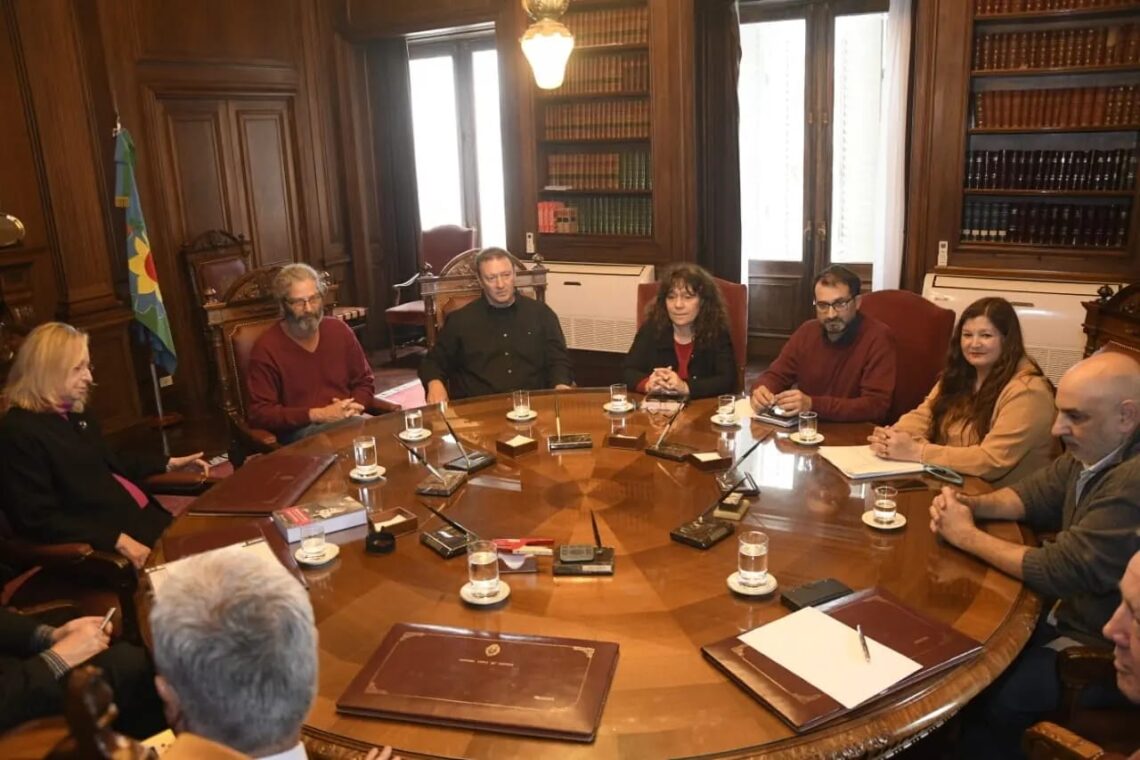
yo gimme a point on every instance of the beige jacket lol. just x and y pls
(1019, 441)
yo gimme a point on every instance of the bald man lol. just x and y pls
(1090, 497)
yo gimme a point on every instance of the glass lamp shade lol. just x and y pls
(547, 45)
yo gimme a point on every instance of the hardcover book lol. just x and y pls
(511, 683)
(335, 513)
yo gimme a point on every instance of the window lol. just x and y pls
(458, 142)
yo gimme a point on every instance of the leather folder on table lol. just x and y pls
(884, 618)
(511, 683)
(267, 483)
(242, 532)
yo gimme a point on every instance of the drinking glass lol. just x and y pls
(618, 396)
(414, 421)
(483, 568)
(808, 426)
(520, 403)
(752, 559)
(886, 504)
(726, 408)
(364, 450)
(313, 540)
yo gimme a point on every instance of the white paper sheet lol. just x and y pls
(258, 546)
(860, 462)
(827, 654)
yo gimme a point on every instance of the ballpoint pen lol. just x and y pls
(863, 643)
(453, 523)
(423, 461)
(557, 419)
(458, 442)
(669, 425)
(106, 619)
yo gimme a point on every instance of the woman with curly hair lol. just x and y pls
(684, 346)
(990, 413)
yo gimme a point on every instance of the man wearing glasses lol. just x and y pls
(842, 368)
(307, 372)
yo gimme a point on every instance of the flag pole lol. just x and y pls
(158, 407)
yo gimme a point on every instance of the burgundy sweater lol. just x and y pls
(850, 380)
(286, 381)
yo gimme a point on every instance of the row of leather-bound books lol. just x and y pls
(1057, 108)
(1051, 169)
(599, 171)
(1072, 225)
(1007, 7)
(611, 26)
(604, 120)
(601, 74)
(597, 216)
(1058, 48)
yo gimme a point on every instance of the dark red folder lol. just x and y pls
(269, 482)
(177, 547)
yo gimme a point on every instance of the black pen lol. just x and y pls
(454, 437)
(669, 425)
(453, 523)
(423, 461)
(863, 643)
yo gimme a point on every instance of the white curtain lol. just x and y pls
(890, 201)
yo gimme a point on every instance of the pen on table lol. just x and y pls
(106, 620)
(863, 643)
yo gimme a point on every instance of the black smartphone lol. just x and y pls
(814, 594)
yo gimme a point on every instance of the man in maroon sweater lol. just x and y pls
(307, 372)
(840, 365)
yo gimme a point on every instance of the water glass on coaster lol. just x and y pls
(809, 426)
(483, 569)
(726, 409)
(886, 505)
(520, 403)
(364, 451)
(414, 422)
(619, 397)
(313, 541)
(752, 559)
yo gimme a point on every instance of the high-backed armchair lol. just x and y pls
(735, 301)
(438, 246)
(922, 333)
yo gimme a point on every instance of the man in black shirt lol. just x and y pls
(497, 343)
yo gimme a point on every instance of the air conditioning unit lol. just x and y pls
(596, 303)
(1050, 312)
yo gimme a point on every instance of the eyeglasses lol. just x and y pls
(312, 300)
(839, 305)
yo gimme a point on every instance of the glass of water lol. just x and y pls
(886, 504)
(414, 421)
(483, 568)
(619, 397)
(313, 541)
(520, 403)
(752, 559)
(809, 426)
(726, 408)
(364, 451)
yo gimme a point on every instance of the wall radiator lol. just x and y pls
(596, 303)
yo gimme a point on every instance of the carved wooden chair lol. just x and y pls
(438, 246)
(457, 285)
(736, 302)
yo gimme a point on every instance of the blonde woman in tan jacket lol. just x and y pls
(990, 413)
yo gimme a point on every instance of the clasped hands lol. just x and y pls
(952, 515)
(339, 409)
(890, 443)
(665, 380)
(790, 402)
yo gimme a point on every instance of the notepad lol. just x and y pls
(827, 654)
(858, 462)
(159, 573)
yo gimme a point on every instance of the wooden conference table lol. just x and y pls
(665, 600)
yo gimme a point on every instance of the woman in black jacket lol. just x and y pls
(59, 480)
(684, 346)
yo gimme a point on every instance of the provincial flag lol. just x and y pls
(146, 296)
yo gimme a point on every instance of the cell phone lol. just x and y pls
(814, 594)
(107, 619)
(943, 473)
(702, 533)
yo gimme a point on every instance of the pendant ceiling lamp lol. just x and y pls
(547, 42)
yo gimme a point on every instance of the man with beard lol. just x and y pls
(842, 368)
(307, 372)
(1090, 497)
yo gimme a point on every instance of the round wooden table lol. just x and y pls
(666, 600)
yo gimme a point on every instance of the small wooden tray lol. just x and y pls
(626, 441)
(396, 521)
(516, 445)
(709, 460)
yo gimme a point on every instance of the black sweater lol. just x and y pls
(712, 369)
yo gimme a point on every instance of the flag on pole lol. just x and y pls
(146, 296)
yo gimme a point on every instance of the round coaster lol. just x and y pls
(409, 436)
(728, 422)
(521, 417)
(331, 553)
(485, 601)
(795, 438)
(619, 408)
(869, 521)
(761, 590)
(355, 475)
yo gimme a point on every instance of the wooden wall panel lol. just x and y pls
(369, 19)
(194, 30)
(195, 137)
(264, 131)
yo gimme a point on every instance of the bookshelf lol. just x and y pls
(1052, 128)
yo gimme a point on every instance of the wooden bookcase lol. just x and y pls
(610, 169)
(1043, 121)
